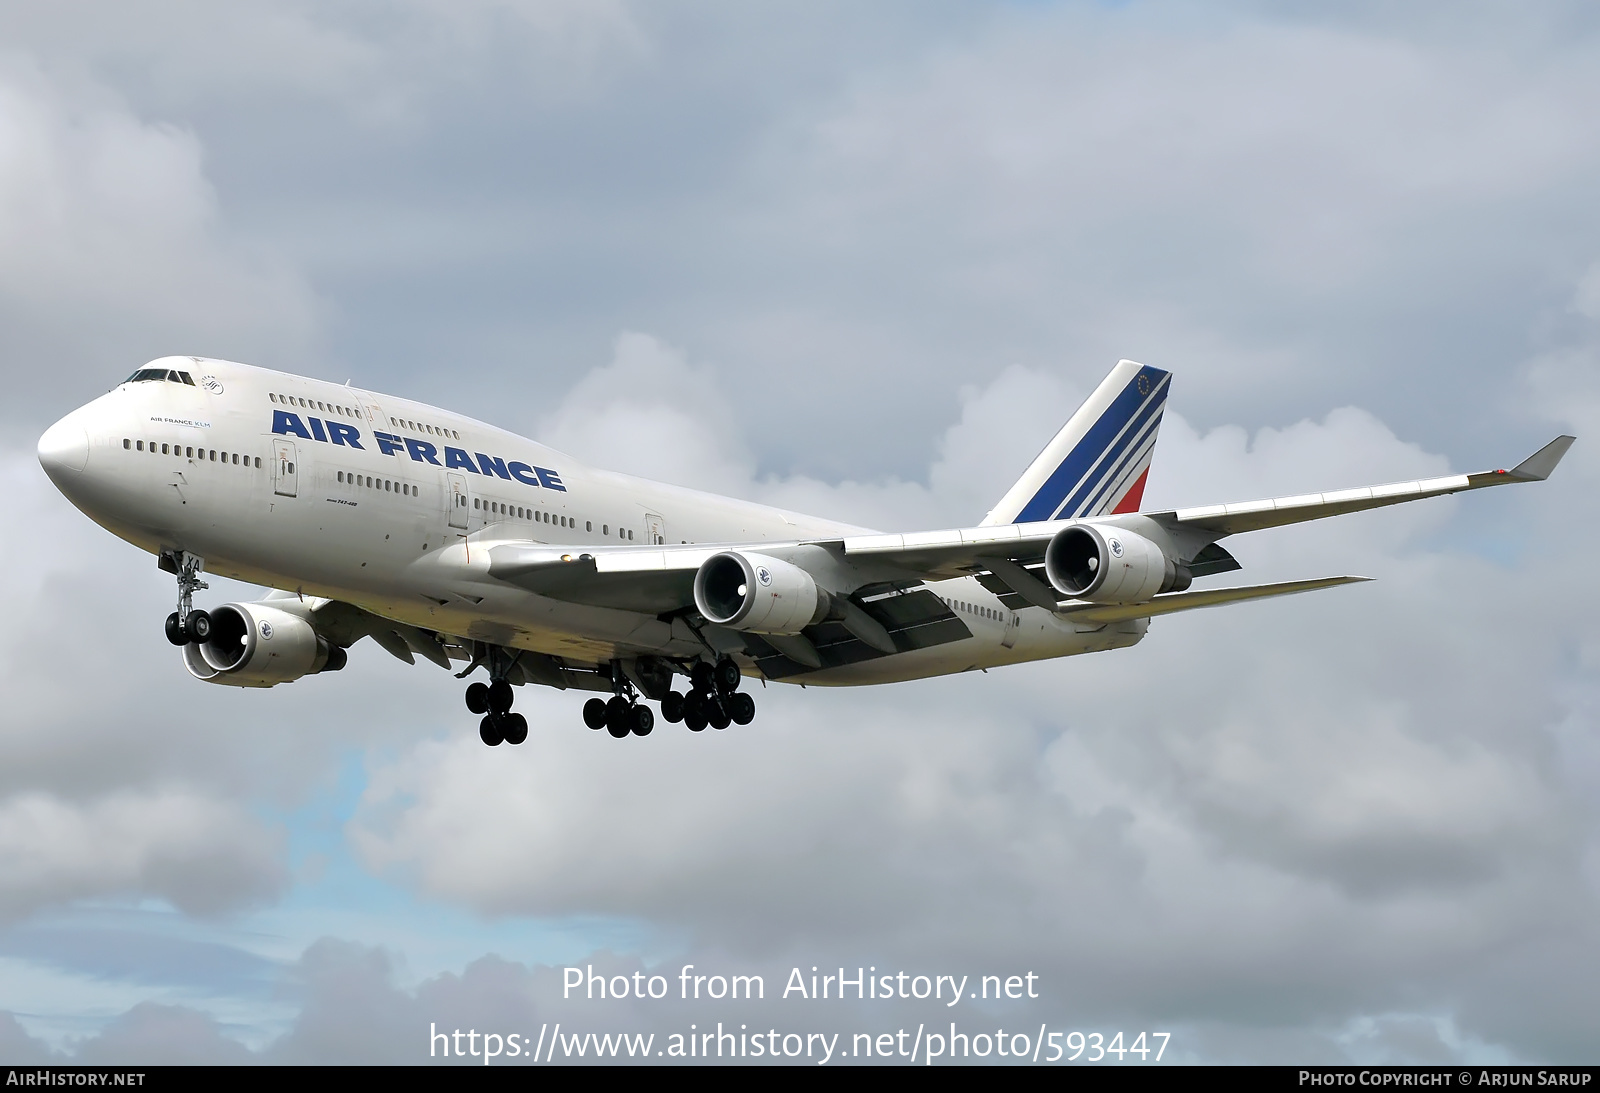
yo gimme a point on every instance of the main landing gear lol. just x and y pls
(186, 625)
(619, 715)
(493, 701)
(714, 698)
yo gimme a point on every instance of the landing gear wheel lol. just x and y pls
(672, 707)
(703, 676)
(197, 626)
(694, 711)
(727, 675)
(478, 697)
(742, 708)
(489, 731)
(515, 727)
(500, 696)
(717, 715)
(594, 713)
(643, 720)
(186, 625)
(619, 721)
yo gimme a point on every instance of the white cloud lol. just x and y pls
(111, 243)
(202, 854)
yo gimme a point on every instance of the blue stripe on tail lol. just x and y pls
(1090, 466)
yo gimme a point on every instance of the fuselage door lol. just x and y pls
(456, 498)
(655, 528)
(285, 468)
(1013, 623)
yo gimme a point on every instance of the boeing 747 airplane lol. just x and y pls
(439, 536)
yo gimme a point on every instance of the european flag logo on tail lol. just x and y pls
(1098, 462)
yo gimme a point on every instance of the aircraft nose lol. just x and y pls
(64, 448)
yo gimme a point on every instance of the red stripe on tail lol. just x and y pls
(1130, 500)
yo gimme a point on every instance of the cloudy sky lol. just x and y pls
(860, 260)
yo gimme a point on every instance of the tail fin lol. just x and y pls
(1098, 462)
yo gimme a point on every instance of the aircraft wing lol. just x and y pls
(959, 552)
(1187, 601)
(658, 580)
(1274, 512)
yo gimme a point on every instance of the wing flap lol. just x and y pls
(651, 582)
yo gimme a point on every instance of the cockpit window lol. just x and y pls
(170, 374)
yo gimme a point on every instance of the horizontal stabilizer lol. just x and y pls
(1188, 601)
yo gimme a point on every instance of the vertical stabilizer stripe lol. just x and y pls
(1131, 454)
(1130, 407)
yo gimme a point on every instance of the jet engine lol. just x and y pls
(756, 593)
(257, 645)
(1110, 565)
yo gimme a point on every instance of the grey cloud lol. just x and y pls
(157, 1035)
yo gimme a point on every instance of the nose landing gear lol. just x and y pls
(186, 625)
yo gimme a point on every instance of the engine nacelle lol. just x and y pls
(1110, 565)
(756, 593)
(257, 645)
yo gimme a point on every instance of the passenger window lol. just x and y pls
(126, 443)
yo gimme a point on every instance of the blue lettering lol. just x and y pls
(340, 433)
(316, 429)
(285, 423)
(550, 479)
(388, 443)
(421, 451)
(492, 465)
(455, 457)
(523, 473)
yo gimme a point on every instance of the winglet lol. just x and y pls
(1537, 467)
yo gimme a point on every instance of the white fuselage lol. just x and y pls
(393, 506)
